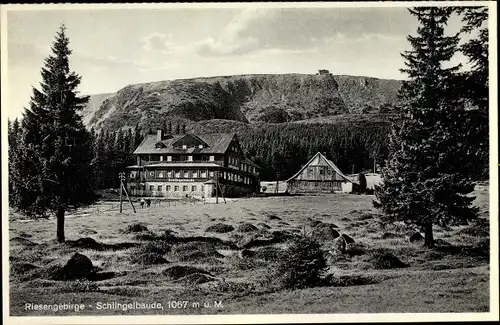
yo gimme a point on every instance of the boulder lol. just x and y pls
(324, 232)
(348, 239)
(78, 266)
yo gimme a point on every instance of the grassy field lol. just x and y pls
(164, 254)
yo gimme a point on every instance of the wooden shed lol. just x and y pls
(320, 175)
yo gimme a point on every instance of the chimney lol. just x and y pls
(159, 135)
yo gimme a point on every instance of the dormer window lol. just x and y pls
(200, 146)
(184, 146)
(160, 145)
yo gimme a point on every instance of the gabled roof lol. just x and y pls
(329, 162)
(218, 143)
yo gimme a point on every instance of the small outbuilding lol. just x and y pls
(320, 175)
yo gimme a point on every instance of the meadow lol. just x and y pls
(219, 259)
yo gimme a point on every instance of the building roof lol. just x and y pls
(218, 143)
(329, 162)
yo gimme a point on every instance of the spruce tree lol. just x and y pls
(53, 171)
(169, 129)
(425, 183)
(473, 85)
(178, 129)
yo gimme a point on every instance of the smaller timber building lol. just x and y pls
(320, 175)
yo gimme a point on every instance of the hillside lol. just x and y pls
(245, 99)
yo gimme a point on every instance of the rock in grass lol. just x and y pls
(415, 237)
(324, 232)
(220, 228)
(247, 227)
(348, 239)
(79, 266)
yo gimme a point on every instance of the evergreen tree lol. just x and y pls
(424, 182)
(178, 128)
(183, 128)
(53, 175)
(169, 128)
(473, 86)
(137, 136)
(14, 132)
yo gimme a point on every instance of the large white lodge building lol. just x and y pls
(187, 165)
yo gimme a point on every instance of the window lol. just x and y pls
(132, 189)
(186, 174)
(159, 188)
(190, 158)
(204, 174)
(195, 174)
(204, 158)
(212, 158)
(177, 174)
(184, 146)
(322, 172)
(152, 173)
(161, 158)
(200, 146)
(167, 188)
(193, 188)
(169, 158)
(169, 174)
(225, 175)
(161, 174)
(176, 188)
(211, 174)
(185, 188)
(151, 188)
(133, 174)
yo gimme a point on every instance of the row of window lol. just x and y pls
(192, 174)
(178, 158)
(168, 188)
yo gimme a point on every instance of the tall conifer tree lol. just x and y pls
(53, 172)
(424, 182)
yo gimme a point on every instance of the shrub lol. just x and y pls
(301, 265)
(347, 280)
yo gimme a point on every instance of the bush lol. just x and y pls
(301, 265)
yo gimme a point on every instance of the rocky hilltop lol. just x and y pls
(244, 99)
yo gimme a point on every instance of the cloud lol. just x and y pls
(296, 30)
(158, 42)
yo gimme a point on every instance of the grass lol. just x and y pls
(163, 252)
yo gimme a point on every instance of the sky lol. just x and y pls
(113, 48)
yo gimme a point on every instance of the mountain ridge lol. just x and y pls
(247, 98)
